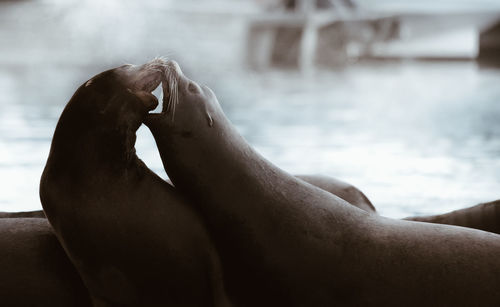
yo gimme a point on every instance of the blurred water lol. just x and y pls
(417, 138)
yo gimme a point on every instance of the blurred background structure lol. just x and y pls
(400, 98)
(305, 33)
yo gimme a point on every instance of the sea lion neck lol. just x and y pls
(107, 147)
(117, 146)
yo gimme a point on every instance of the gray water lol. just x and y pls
(417, 138)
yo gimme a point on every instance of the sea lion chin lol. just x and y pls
(134, 240)
(285, 242)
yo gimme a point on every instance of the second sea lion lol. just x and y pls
(283, 241)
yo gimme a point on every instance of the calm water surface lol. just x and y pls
(417, 138)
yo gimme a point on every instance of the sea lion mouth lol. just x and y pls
(146, 77)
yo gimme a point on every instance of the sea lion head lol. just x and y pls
(102, 117)
(188, 108)
(191, 122)
(119, 98)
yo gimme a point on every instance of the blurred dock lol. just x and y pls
(304, 34)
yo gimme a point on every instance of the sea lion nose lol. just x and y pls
(175, 66)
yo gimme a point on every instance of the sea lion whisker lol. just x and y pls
(173, 98)
(160, 59)
(172, 86)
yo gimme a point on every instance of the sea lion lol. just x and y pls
(134, 240)
(485, 216)
(35, 270)
(27, 214)
(284, 242)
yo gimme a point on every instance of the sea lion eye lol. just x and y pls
(193, 88)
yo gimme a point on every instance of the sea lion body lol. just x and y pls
(285, 242)
(34, 269)
(134, 240)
